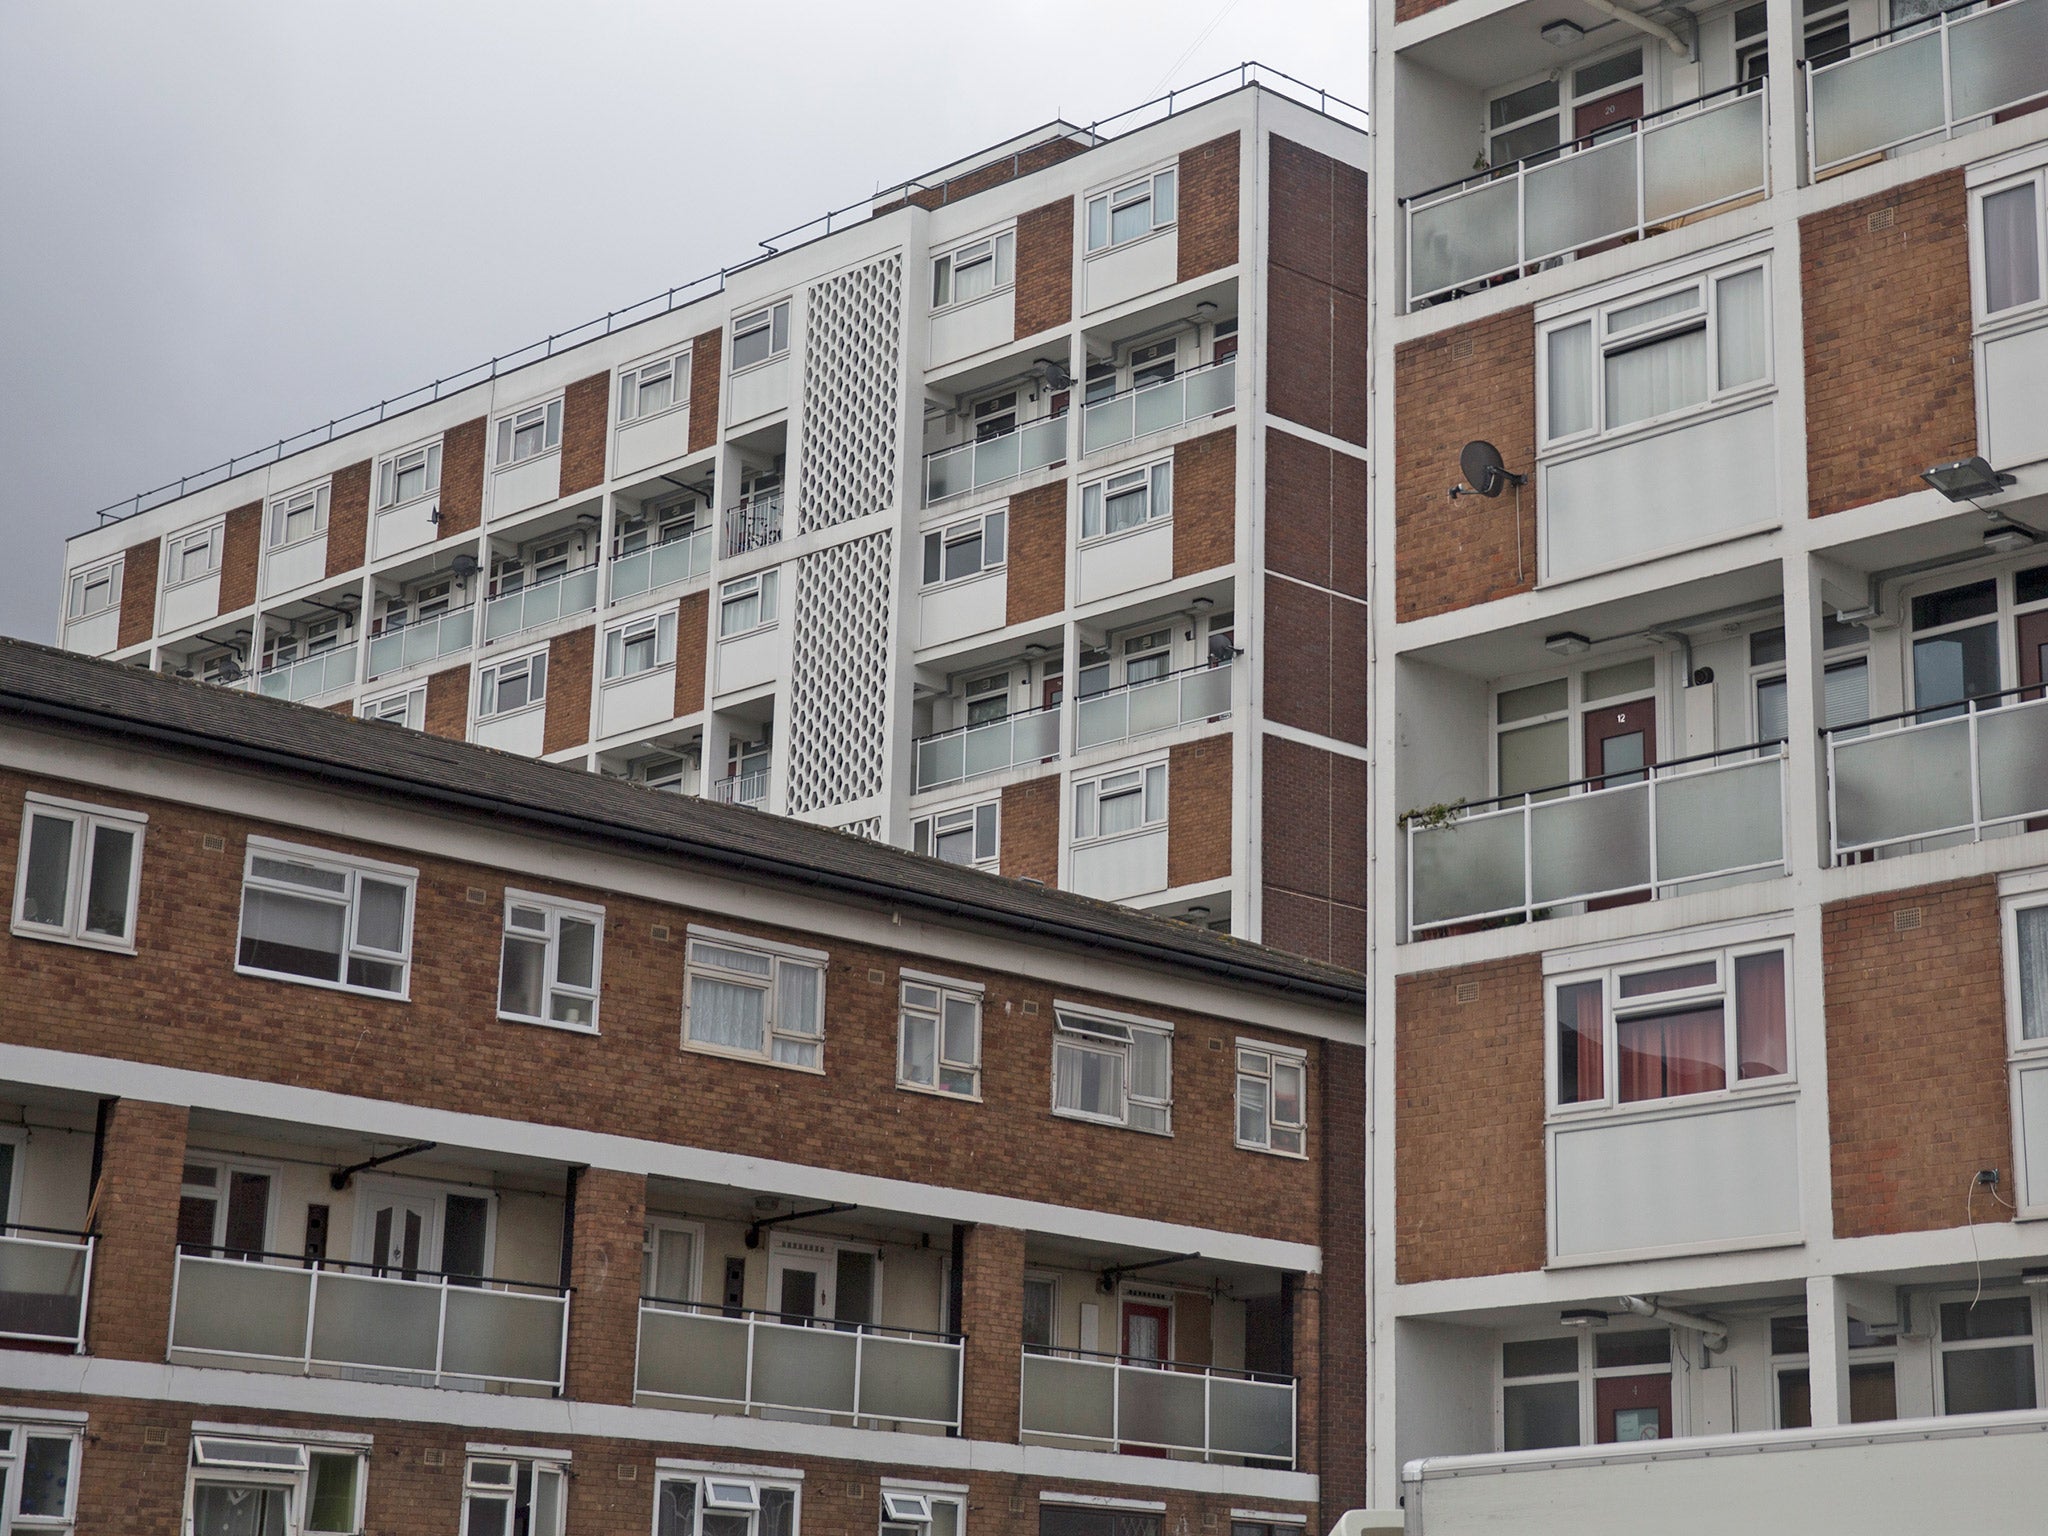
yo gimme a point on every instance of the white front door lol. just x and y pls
(402, 1236)
(834, 1282)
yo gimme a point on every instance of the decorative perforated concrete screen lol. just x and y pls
(839, 676)
(852, 351)
(869, 827)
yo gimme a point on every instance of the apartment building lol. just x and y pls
(1709, 1086)
(400, 1136)
(1016, 516)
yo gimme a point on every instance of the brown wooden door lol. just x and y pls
(1621, 741)
(1599, 116)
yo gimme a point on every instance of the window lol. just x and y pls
(1272, 1098)
(93, 590)
(712, 1505)
(512, 1496)
(923, 1511)
(1131, 212)
(640, 645)
(1128, 1519)
(529, 433)
(192, 554)
(651, 388)
(224, 1209)
(2029, 951)
(658, 522)
(939, 1045)
(1845, 683)
(408, 476)
(974, 271)
(506, 686)
(1041, 1312)
(746, 605)
(1129, 800)
(1154, 363)
(668, 1270)
(2011, 277)
(1148, 657)
(273, 1488)
(1671, 1027)
(966, 835)
(408, 709)
(1986, 1350)
(38, 1478)
(751, 1001)
(321, 917)
(79, 873)
(1956, 646)
(1115, 1070)
(298, 517)
(988, 697)
(1647, 358)
(965, 549)
(1599, 1387)
(553, 955)
(1873, 1375)
(759, 336)
(1539, 730)
(1127, 500)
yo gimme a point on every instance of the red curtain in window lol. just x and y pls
(1760, 1015)
(1669, 1054)
(1581, 1066)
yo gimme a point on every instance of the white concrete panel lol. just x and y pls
(747, 660)
(962, 609)
(655, 440)
(1651, 495)
(757, 391)
(2030, 1135)
(1722, 1173)
(287, 569)
(2015, 383)
(1112, 567)
(193, 602)
(55, 1170)
(987, 322)
(1123, 867)
(521, 733)
(1125, 271)
(533, 483)
(636, 701)
(403, 528)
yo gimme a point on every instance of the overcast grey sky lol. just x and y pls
(228, 222)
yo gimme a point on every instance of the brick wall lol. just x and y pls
(462, 478)
(1469, 1188)
(1200, 805)
(706, 352)
(1890, 379)
(1045, 268)
(1314, 661)
(1030, 831)
(992, 1317)
(1917, 1091)
(1408, 10)
(448, 703)
(1316, 350)
(570, 658)
(241, 552)
(1476, 381)
(1208, 210)
(348, 517)
(1340, 1379)
(1315, 513)
(138, 592)
(135, 1212)
(586, 424)
(1205, 503)
(604, 1271)
(1037, 580)
(1312, 852)
(693, 638)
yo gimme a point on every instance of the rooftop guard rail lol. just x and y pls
(1157, 109)
(45, 1284)
(1111, 1400)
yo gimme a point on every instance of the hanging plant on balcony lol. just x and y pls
(1434, 818)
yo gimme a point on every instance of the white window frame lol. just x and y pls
(507, 429)
(1588, 1375)
(210, 1462)
(1159, 185)
(772, 317)
(1944, 1347)
(993, 531)
(975, 819)
(781, 957)
(1260, 1061)
(1077, 1027)
(997, 249)
(225, 1166)
(763, 588)
(349, 899)
(946, 990)
(900, 1496)
(1153, 480)
(694, 1230)
(2028, 312)
(549, 936)
(282, 509)
(731, 1501)
(1095, 783)
(660, 624)
(82, 582)
(487, 678)
(410, 708)
(1573, 712)
(14, 1479)
(394, 466)
(86, 822)
(474, 1489)
(178, 545)
(633, 376)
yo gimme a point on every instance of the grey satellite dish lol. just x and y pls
(1483, 468)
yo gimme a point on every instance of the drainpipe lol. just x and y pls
(1711, 1333)
(1656, 29)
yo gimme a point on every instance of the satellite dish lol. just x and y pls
(1483, 468)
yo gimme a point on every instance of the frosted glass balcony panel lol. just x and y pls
(1696, 161)
(803, 1368)
(1463, 237)
(1074, 1398)
(1902, 784)
(1471, 866)
(1155, 706)
(1581, 198)
(909, 1379)
(1869, 101)
(42, 1286)
(1159, 407)
(227, 1306)
(1252, 1418)
(687, 1354)
(1104, 717)
(988, 748)
(365, 1321)
(1997, 57)
(504, 1335)
(1160, 1408)
(2012, 761)
(998, 458)
(1717, 819)
(1210, 390)
(942, 760)
(1107, 423)
(1586, 844)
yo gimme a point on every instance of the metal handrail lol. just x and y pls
(1180, 1367)
(1949, 711)
(1465, 808)
(975, 725)
(373, 1270)
(1185, 373)
(1125, 1436)
(741, 788)
(754, 522)
(802, 1320)
(23, 1226)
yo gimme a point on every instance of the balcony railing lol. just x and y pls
(661, 565)
(969, 751)
(1106, 1400)
(748, 1361)
(1159, 407)
(1631, 181)
(541, 603)
(309, 676)
(1971, 771)
(45, 1281)
(754, 524)
(436, 1329)
(1716, 816)
(969, 466)
(1138, 709)
(1931, 76)
(742, 788)
(412, 645)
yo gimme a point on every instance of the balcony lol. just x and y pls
(989, 746)
(1138, 709)
(308, 677)
(542, 603)
(415, 645)
(269, 1311)
(753, 1362)
(1715, 817)
(970, 466)
(1159, 407)
(45, 1280)
(754, 524)
(661, 565)
(1108, 1402)
(1637, 179)
(1927, 78)
(750, 789)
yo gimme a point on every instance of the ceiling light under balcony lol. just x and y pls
(1562, 34)
(1966, 479)
(1567, 642)
(1582, 1317)
(2007, 537)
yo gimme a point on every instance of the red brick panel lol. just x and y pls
(1030, 831)
(135, 1212)
(241, 551)
(1469, 1188)
(706, 351)
(604, 1271)
(1208, 211)
(1890, 380)
(693, 640)
(1037, 580)
(462, 478)
(1205, 503)
(1315, 660)
(1200, 804)
(1340, 1376)
(1313, 841)
(448, 703)
(1045, 268)
(992, 1317)
(586, 424)
(568, 706)
(1408, 10)
(1316, 355)
(1315, 513)
(348, 517)
(1478, 381)
(1917, 1091)
(138, 592)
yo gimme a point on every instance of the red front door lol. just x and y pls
(2032, 633)
(1632, 1408)
(1598, 116)
(1147, 1340)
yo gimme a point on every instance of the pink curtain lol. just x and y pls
(1581, 1066)
(1760, 1015)
(1670, 1054)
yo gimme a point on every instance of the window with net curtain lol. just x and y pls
(2030, 949)
(756, 1002)
(2012, 245)
(1671, 1029)
(1105, 1069)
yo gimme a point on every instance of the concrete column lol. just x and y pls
(992, 1317)
(135, 1214)
(1307, 1325)
(606, 1232)
(1827, 1352)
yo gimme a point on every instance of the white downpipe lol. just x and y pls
(1656, 29)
